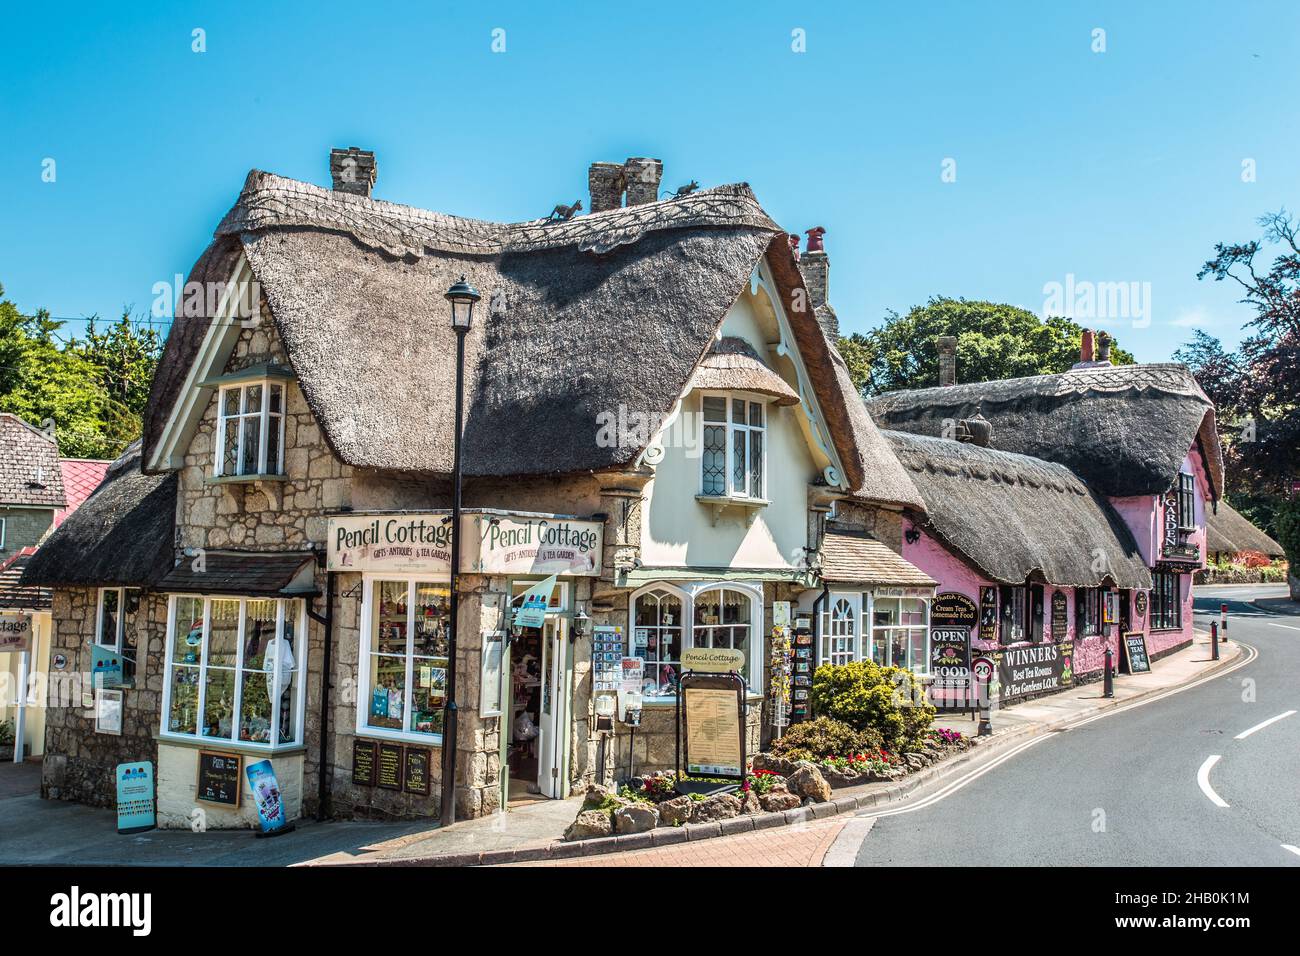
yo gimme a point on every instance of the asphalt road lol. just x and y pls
(1124, 790)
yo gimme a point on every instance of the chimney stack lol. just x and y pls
(947, 346)
(353, 170)
(1103, 348)
(816, 268)
(642, 176)
(1086, 348)
(605, 182)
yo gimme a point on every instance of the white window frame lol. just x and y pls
(299, 668)
(116, 643)
(368, 581)
(830, 652)
(732, 428)
(264, 416)
(689, 593)
(869, 630)
(4, 525)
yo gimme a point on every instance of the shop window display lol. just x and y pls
(407, 672)
(657, 639)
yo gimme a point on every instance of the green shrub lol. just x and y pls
(1287, 523)
(824, 737)
(868, 697)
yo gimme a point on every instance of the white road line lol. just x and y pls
(1272, 720)
(1289, 627)
(1203, 780)
(1293, 849)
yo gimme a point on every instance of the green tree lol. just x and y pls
(994, 341)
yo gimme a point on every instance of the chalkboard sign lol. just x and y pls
(364, 754)
(390, 766)
(1060, 619)
(417, 770)
(220, 778)
(1135, 651)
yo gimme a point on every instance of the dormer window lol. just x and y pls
(250, 429)
(734, 458)
(1186, 491)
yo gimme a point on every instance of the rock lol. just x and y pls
(915, 761)
(720, 807)
(749, 803)
(776, 801)
(808, 782)
(782, 765)
(635, 818)
(675, 812)
(841, 778)
(590, 823)
(596, 793)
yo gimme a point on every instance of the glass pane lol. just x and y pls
(252, 398)
(273, 445)
(756, 464)
(277, 398)
(131, 625)
(389, 635)
(918, 661)
(429, 695)
(223, 634)
(230, 402)
(738, 411)
(288, 660)
(259, 631)
(715, 460)
(185, 700)
(738, 459)
(230, 448)
(252, 446)
(255, 708)
(898, 648)
(219, 703)
(188, 644)
(715, 409)
(755, 413)
(707, 609)
(735, 608)
(108, 617)
(885, 612)
(432, 620)
(387, 691)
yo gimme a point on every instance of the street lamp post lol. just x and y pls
(462, 297)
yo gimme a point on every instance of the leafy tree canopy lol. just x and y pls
(93, 389)
(994, 341)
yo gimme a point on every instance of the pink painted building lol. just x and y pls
(1069, 508)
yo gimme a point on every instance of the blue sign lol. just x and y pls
(536, 602)
(105, 667)
(266, 794)
(135, 808)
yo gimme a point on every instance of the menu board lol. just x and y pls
(713, 729)
(220, 778)
(1135, 651)
(364, 755)
(1060, 620)
(417, 770)
(988, 614)
(950, 667)
(607, 650)
(389, 767)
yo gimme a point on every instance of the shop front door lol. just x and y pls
(553, 751)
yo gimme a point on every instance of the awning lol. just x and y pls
(248, 574)
(854, 557)
(733, 365)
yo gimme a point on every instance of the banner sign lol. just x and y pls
(15, 632)
(712, 660)
(534, 604)
(491, 544)
(105, 667)
(1039, 669)
(266, 795)
(135, 806)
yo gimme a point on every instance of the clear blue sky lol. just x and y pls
(1122, 166)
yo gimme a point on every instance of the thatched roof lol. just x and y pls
(732, 363)
(1011, 516)
(1227, 529)
(1124, 429)
(855, 557)
(122, 535)
(577, 318)
(29, 466)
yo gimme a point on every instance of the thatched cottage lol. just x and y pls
(654, 415)
(1070, 508)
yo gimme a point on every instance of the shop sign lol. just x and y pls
(135, 804)
(1140, 603)
(1060, 619)
(1041, 668)
(950, 665)
(220, 778)
(714, 727)
(712, 660)
(534, 604)
(267, 796)
(951, 609)
(1135, 651)
(15, 632)
(491, 544)
(988, 614)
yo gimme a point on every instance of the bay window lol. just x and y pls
(657, 639)
(250, 429)
(234, 670)
(404, 644)
(666, 620)
(115, 627)
(900, 633)
(1166, 601)
(734, 451)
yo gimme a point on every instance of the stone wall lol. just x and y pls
(79, 762)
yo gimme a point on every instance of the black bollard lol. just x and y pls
(1108, 676)
(1214, 640)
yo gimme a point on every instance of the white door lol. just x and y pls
(552, 752)
(840, 626)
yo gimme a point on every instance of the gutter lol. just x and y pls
(326, 620)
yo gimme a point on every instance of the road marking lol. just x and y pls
(1289, 627)
(1293, 849)
(844, 851)
(1203, 780)
(1272, 720)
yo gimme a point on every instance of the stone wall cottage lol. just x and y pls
(1136, 461)
(653, 414)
